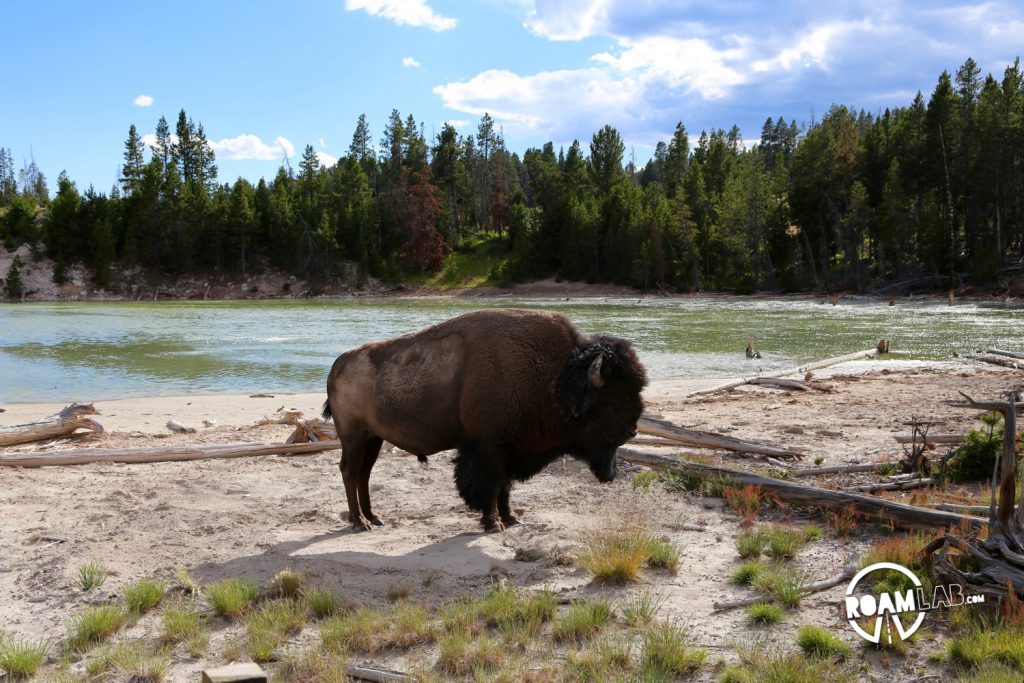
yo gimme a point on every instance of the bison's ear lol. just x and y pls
(581, 379)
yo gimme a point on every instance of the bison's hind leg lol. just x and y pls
(479, 480)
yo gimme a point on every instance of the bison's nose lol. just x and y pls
(632, 433)
(608, 474)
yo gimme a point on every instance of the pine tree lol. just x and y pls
(13, 287)
(131, 171)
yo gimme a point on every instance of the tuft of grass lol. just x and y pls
(641, 609)
(988, 646)
(759, 664)
(129, 661)
(461, 615)
(750, 543)
(663, 554)
(269, 626)
(91, 575)
(186, 583)
(94, 625)
(644, 480)
(582, 621)
(315, 664)
(460, 654)
(374, 631)
(321, 603)
(615, 555)
(231, 597)
(906, 550)
(22, 658)
(398, 591)
(144, 595)
(765, 613)
(288, 583)
(516, 616)
(820, 643)
(843, 522)
(991, 673)
(784, 542)
(664, 651)
(183, 624)
(410, 625)
(716, 484)
(677, 480)
(605, 660)
(746, 573)
(783, 583)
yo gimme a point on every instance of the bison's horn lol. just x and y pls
(595, 372)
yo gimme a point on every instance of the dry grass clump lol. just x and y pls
(93, 625)
(321, 602)
(781, 582)
(92, 575)
(996, 645)
(144, 595)
(21, 658)
(288, 583)
(184, 624)
(372, 631)
(582, 621)
(761, 664)
(461, 654)
(618, 555)
(604, 660)
(317, 665)
(269, 626)
(665, 653)
(641, 609)
(130, 661)
(232, 596)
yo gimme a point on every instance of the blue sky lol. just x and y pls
(266, 78)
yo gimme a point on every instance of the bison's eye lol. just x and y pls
(632, 433)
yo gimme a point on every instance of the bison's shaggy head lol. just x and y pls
(599, 389)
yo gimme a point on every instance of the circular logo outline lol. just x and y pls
(877, 635)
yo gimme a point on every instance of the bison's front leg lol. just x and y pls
(480, 478)
(508, 518)
(351, 467)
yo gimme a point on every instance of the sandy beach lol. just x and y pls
(256, 516)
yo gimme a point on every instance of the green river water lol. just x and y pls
(96, 351)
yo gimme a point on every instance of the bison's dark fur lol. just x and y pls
(511, 390)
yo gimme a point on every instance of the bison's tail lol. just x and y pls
(326, 412)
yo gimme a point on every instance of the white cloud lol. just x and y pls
(411, 62)
(326, 160)
(816, 46)
(150, 139)
(322, 143)
(403, 12)
(568, 19)
(248, 146)
(143, 101)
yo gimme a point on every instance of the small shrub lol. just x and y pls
(21, 658)
(91, 575)
(975, 459)
(746, 573)
(765, 613)
(321, 603)
(144, 595)
(820, 643)
(93, 625)
(664, 651)
(232, 596)
(641, 609)
(582, 621)
(843, 522)
(745, 501)
(615, 555)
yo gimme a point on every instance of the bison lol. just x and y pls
(511, 390)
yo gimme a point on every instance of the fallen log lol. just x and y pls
(83, 456)
(843, 469)
(63, 424)
(689, 437)
(931, 438)
(868, 507)
(361, 673)
(903, 485)
(1008, 354)
(847, 573)
(993, 359)
(781, 383)
(956, 507)
(801, 370)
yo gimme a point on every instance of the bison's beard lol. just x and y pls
(604, 467)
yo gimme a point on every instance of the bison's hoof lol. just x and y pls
(511, 520)
(376, 521)
(493, 527)
(361, 525)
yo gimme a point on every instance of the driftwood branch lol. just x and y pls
(800, 370)
(868, 507)
(844, 469)
(994, 359)
(931, 438)
(816, 587)
(689, 437)
(84, 456)
(1008, 354)
(361, 673)
(63, 424)
(903, 485)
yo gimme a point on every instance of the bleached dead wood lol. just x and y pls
(816, 587)
(993, 359)
(690, 437)
(868, 507)
(801, 370)
(931, 438)
(956, 507)
(82, 456)
(178, 427)
(902, 485)
(843, 469)
(781, 383)
(63, 424)
(362, 673)
(1008, 354)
